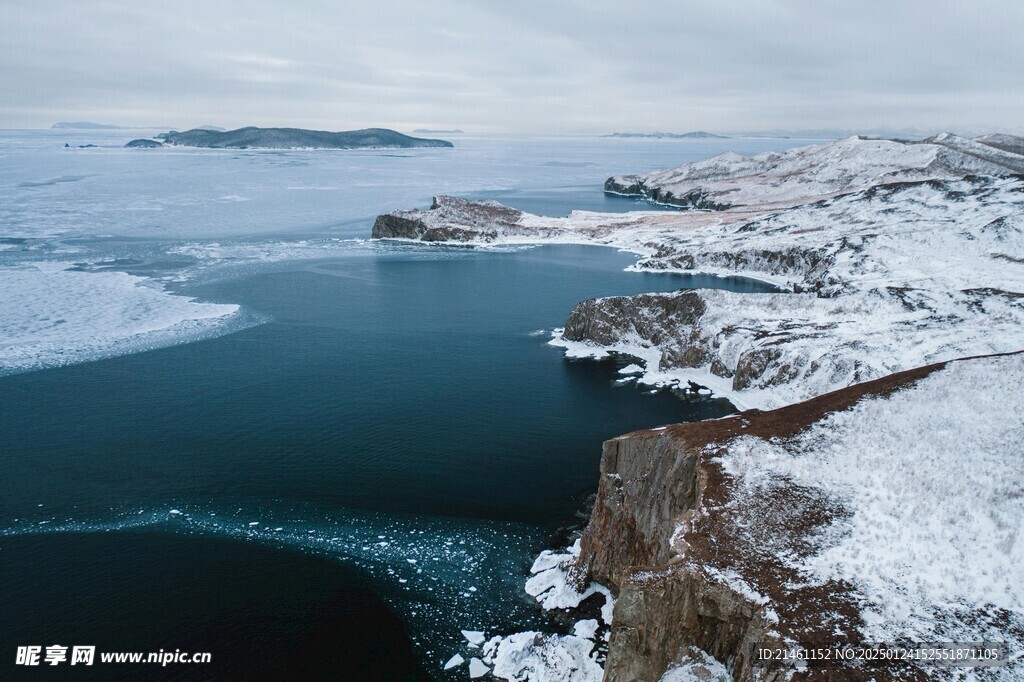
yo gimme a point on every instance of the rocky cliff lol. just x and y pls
(698, 561)
(449, 219)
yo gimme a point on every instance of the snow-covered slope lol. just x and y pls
(1008, 143)
(883, 279)
(890, 460)
(889, 513)
(889, 278)
(799, 175)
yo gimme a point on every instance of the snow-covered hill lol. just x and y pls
(798, 175)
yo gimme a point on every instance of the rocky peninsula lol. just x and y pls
(872, 490)
(297, 138)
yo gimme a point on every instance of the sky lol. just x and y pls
(522, 66)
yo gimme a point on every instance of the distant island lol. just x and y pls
(433, 131)
(143, 143)
(296, 138)
(84, 125)
(695, 135)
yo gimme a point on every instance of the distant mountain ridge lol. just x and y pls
(436, 131)
(695, 135)
(84, 125)
(297, 138)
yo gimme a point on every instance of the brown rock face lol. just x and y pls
(668, 321)
(653, 317)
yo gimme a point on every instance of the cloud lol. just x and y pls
(528, 66)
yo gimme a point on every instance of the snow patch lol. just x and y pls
(696, 665)
(544, 658)
(934, 488)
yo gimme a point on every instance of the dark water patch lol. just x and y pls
(262, 612)
(408, 384)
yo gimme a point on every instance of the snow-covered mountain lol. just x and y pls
(797, 175)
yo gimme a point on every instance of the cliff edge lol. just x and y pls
(817, 523)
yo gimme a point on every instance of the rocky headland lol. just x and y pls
(875, 492)
(297, 138)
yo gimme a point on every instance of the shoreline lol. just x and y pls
(873, 314)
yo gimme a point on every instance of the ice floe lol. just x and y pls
(51, 314)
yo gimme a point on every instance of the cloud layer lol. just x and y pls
(528, 66)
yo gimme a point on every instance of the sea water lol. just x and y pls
(230, 422)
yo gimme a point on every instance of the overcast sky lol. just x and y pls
(517, 65)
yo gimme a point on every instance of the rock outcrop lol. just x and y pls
(449, 219)
(297, 138)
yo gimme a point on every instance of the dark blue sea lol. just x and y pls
(358, 462)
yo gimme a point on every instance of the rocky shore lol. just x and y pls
(886, 369)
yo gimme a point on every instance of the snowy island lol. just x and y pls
(296, 138)
(872, 490)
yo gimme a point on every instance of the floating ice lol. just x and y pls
(477, 668)
(585, 628)
(473, 637)
(52, 315)
(454, 662)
